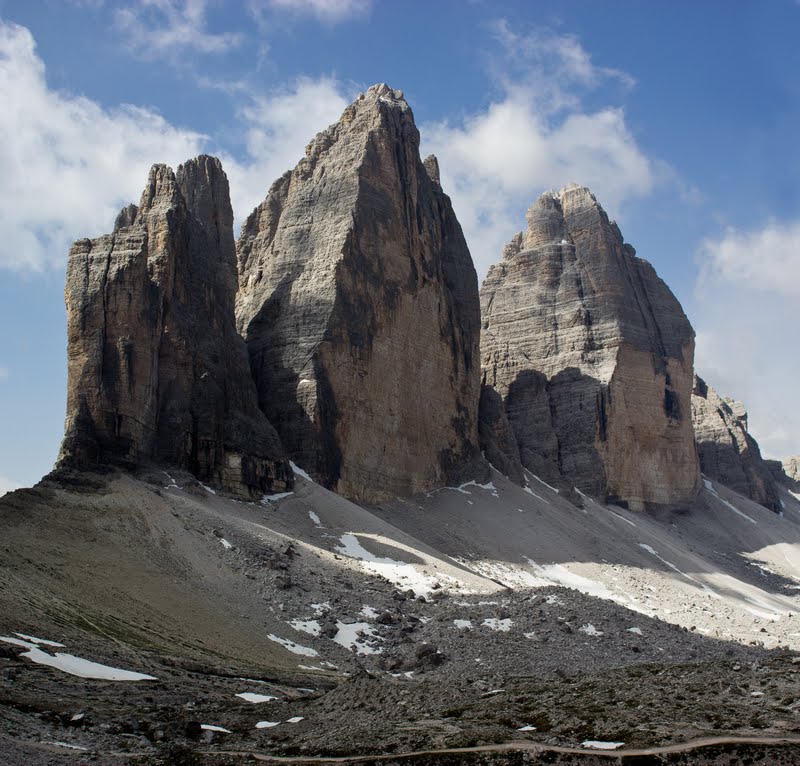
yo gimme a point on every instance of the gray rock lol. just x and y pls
(157, 372)
(592, 356)
(728, 454)
(359, 304)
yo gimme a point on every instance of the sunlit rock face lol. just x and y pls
(728, 454)
(156, 370)
(359, 304)
(592, 356)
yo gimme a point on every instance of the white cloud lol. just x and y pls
(746, 316)
(331, 11)
(764, 259)
(6, 485)
(536, 136)
(68, 164)
(278, 128)
(171, 28)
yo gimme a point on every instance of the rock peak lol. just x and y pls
(357, 293)
(157, 372)
(592, 357)
(728, 454)
(382, 90)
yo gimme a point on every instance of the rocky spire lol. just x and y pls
(728, 454)
(359, 304)
(157, 372)
(592, 356)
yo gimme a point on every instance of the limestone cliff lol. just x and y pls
(592, 356)
(156, 370)
(728, 454)
(359, 304)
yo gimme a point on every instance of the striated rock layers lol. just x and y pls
(728, 454)
(156, 369)
(359, 304)
(592, 356)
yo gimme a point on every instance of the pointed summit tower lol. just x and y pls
(592, 356)
(359, 304)
(156, 371)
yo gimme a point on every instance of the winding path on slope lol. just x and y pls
(524, 746)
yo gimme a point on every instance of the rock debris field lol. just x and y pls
(165, 619)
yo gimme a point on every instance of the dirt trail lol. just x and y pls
(682, 747)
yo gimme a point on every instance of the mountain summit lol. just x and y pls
(592, 357)
(156, 370)
(359, 304)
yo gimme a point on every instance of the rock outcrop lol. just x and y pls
(791, 467)
(359, 304)
(592, 356)
(728, 454)
(156, 370)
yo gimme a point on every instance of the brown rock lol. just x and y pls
(592, 356)
(359, 304)
(728, 454)
(157, 372)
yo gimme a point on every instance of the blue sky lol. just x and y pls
(682, 117)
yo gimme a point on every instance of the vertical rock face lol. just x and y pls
(592, 356)
(359, 304)
(728, 454)
(157, 372)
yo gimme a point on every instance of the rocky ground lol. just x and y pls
(372, 637)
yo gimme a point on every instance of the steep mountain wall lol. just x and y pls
(156, 370)
(728, 454)
(592, 356)
(359, 304)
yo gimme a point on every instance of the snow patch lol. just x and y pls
(270, 499)
(295, 719)
(527, 728)
(41, 641)
(316, 519)
(225, 544)
(538, 497)
(369, 612)
(306, 651)
(256, 698)
(211, 727)
(312, 627)
(637, 631)
(590, 630)
(541, 481)
(463, 488)
(404, 575)
(300, 472)
(672, 566)
(463, 624)
(208, 489)
(710, 488)
(354, 636)
(266, 724)
(558, 574)
(75, 666)
(597, 745)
